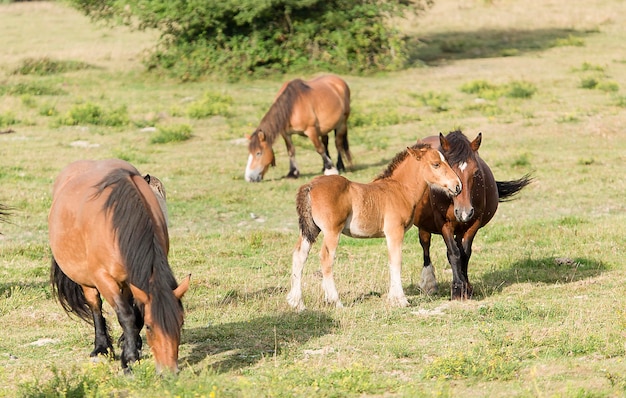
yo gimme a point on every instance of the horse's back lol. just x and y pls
(80, 231)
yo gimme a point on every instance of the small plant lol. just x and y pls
(435, 101)
(486, 90)
(608, 86)
(570, 40)
(90, 113)
(589, 83)
(8, 119)
(171, 133)
(211, 104)
(30, 88)
(46, 66)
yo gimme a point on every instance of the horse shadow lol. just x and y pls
(546, 270)
(442, 47)
(240, 344)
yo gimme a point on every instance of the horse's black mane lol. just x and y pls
(139, 244)
(397, 160)
(460, 148)
(276, 120)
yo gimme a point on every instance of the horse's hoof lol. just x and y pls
(398, 301)
(296, 303)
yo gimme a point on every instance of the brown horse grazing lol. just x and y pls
(383, 208)
(458, 218)
(108, 236)
(312, 108)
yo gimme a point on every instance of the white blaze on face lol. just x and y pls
(463, 166)
(443, 159)
(248, 171)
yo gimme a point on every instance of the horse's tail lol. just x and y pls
(69, 293)
(308, 228)
(507, 189)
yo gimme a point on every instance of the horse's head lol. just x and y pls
(163, 325)
(260, 157)
(437, 172)
(462, 155)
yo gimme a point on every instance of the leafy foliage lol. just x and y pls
(244, 37)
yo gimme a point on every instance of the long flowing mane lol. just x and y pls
(276, 120)
(139, 245)
(397, 160)
(460, 148)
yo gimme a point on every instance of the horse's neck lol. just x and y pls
(411, 180)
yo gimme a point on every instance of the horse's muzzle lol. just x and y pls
(464, 214)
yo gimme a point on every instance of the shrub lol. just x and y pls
(171, 133)
(239, 38)
(89, 113)
(211, 104)
(486, 90)
(46, 66)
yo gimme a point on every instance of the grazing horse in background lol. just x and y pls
(459, 218)
(309, 108)
(383, 208)
(108, 235)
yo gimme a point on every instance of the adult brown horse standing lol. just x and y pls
(335, 205)
(108, 235)
(309, 108)
(459, 218)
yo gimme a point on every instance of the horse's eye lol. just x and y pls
(436, 165)
(258, 154)
(148, 328)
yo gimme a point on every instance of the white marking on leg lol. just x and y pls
(331, 172)
(300, 254)
(396, 295)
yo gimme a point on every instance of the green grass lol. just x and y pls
(547, 317)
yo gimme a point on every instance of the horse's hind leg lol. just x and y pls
(343, 148)
(102, 342)
(327, 257)
(300, 254)
(428, 283)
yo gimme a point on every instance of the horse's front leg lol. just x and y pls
(396, 295)
(126, 318)
(291, 151)
(428, 283)
(138, 319)
(314, 136)
(459, 283)
(464, 242)
(102, 341)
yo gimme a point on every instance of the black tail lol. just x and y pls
(508, 189)
(69, 293)
(308, 228)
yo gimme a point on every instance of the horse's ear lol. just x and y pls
(180, 291)
(139, 294)
(476, 143)
(443, 142)
(416, 154)
(261, 135)
(147, 178)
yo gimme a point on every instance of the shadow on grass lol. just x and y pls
(489, 43)
(240, 344)
(547, 270)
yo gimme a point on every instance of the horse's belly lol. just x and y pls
(362, 228)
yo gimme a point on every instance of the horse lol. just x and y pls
(335, 205)
(459, 218)
(108, 236)
(309, 108)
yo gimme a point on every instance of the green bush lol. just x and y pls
(211, 104)
(245, 37)
(486, 90)
(89, 113)
(171, 133)
(46, 66)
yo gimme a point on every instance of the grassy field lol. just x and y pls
(543, 80)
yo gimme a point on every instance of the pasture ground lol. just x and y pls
(543, 80)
